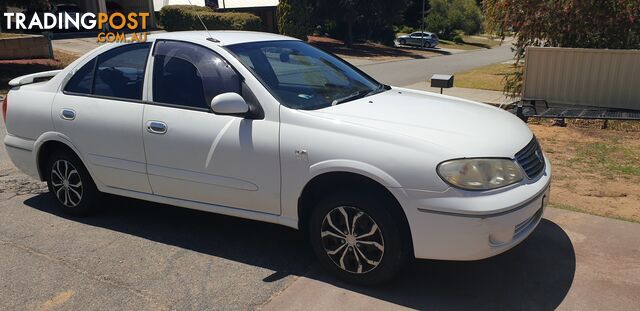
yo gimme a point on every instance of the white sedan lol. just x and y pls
(269, 128)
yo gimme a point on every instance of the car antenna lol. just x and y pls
(211, 38)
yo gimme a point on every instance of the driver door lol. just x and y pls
(196, 155)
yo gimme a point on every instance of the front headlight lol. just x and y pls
(480, 174)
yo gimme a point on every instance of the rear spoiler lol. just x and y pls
(34, 77)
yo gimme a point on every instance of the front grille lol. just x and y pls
(531, 158)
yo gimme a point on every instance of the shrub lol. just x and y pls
(185, 17)
(446, 16)
(293, 18)
(403, 29)
(458, 39)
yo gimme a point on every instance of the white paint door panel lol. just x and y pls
(108, 133)
(222, 160)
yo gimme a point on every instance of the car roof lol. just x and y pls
(223, 37)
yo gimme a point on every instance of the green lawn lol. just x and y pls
(471, 43)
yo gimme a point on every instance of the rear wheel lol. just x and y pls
(356, 238)
(70, 184)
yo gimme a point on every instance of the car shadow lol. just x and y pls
(418, 48)
(535, 275)
(259, 244)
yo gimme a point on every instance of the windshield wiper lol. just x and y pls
(381, 88)
(360, 94)
(350, 97)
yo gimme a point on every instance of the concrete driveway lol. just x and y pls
(572, 261)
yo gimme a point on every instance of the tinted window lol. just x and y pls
(190, 75)
(82, 80)
(120, 71)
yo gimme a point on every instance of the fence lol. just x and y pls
(583, 77)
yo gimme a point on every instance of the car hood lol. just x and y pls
(438, 123)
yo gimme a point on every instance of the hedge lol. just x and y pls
(185, 17)
(294, 19)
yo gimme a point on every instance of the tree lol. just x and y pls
(413, 13)
(36, 5)
(293, 18)
(26, 4)
(610, 24)
(446, 16)
(361, 18)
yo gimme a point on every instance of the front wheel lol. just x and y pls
(70, 184)
(403, 42)
(356, 238)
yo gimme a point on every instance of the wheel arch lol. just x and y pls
(49, 143)
(339, 180)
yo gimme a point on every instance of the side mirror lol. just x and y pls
(229, 104)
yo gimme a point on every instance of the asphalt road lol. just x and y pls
(411, 71)
(135, 255)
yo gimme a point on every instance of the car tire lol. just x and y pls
(402, 42)
(70, 184)
(427, 45)
(357, 238)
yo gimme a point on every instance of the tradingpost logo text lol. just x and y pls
(111, 27)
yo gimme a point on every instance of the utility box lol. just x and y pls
(442, 81)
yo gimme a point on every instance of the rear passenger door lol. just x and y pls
(100, 109)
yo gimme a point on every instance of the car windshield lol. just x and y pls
(303, 77)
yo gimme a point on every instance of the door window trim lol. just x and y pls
(95, 67)
(152, 55)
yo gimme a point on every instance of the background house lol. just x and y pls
(265, 9)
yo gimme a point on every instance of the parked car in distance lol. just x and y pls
(267, 127)
(418, 38)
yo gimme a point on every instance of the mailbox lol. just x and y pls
(442, 81)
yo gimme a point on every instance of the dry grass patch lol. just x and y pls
(10, 69)
(594, 171)
(489, 77)
(4, 35)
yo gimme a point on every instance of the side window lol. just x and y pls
(82, 80)
(190, 75)
(120, 72)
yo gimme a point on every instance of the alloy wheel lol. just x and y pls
(66, 182)
(352, 239)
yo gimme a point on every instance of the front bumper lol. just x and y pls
(472, 231)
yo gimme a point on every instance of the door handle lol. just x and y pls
(67, 114)
(156, 127)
